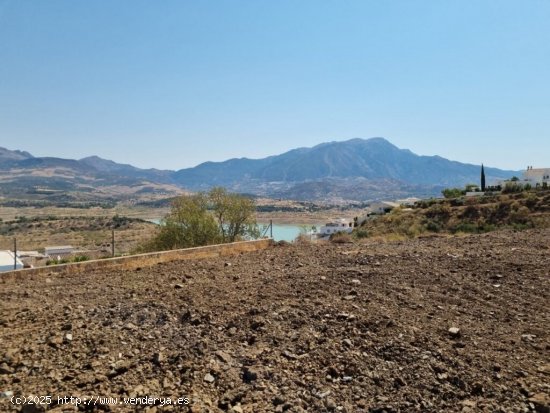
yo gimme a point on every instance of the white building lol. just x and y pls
(380, 208)
(60, 250)
(341, 225)
(7, 261)
(536, 176)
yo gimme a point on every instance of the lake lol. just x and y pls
(281, 232)
(285, 232)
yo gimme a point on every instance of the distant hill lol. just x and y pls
(333, 166)
(358, 169)
(9, 156)
(23, 176)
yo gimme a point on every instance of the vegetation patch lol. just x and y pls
(516, 210)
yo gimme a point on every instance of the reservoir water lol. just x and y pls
(281, 232)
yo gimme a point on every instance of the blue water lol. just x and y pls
(280, 232)
(285, 232)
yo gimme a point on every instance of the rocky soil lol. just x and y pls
(428, 325)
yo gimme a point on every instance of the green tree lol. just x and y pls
(482, 178)
(234, 213)
(189, 224)
(205, 219)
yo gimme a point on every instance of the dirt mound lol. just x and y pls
(428, 325)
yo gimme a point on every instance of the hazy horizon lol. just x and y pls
(274, 154)
(173, 84)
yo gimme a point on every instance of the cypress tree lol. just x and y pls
(482, 179)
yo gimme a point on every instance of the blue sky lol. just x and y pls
(171, 84)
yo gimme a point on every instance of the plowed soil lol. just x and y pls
(456, 324)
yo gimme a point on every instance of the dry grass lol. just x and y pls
(81, 232)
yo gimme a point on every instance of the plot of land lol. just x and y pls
(427, 325)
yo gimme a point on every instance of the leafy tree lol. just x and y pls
(235, 214)
(189, 224)
(205, 219)
(514, 179)
(482, 178)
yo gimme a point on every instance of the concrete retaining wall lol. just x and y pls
(149, 259)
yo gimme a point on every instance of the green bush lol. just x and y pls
(452, 192)
(360, 233)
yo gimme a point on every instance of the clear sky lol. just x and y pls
(171, 84)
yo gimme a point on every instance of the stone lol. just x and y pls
(454, 332)
(5, 369)
(158, 358)
(55, 341)
(528, 337)
(178, 286)
(249, 374)
(348, 342)
(223, 356)
(131, 326)
(330, 404)
(209, 378)
(541, 401)
(68, 337)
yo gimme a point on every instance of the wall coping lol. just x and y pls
(147, 259)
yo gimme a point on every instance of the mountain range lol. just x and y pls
(357, 169)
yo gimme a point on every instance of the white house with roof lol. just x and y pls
(382, 207)
(333, 227)
(9, 262)
(536, 176)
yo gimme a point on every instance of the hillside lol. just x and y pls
(85, 233)
(465, 215)
(303, 328)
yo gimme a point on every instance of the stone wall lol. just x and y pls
(149, 259)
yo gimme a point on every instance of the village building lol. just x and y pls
(9, 262)
(536, 176)
(60, 250)
(334, 227)
(382, 207)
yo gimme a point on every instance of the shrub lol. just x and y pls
(452, 192)
(360, 233)
(512, 187)
(341, 238)
(433, 226)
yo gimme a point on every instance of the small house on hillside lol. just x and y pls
(380, 208)
(8, 262)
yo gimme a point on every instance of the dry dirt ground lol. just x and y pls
(427, 325)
